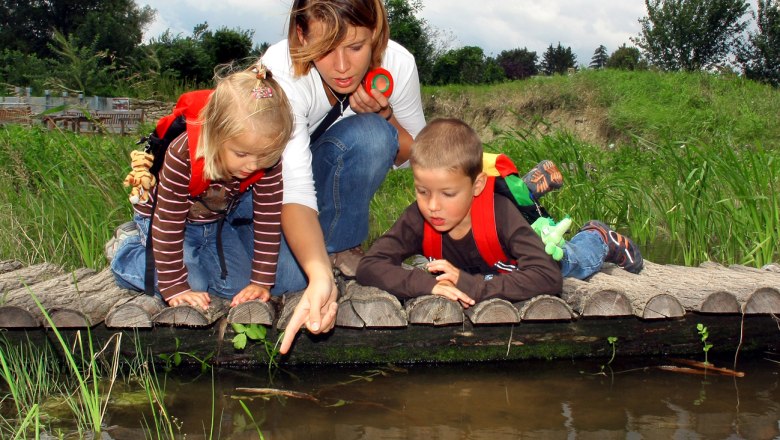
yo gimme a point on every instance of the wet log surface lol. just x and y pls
(374, 323)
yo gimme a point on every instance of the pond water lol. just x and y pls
(528, 400)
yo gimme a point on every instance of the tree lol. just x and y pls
(558, 60)
(626, 58)
(413, 33)
(600, 57)
(760, 57)
(226, 45)
(467, 65)
(690, 34)
(113, 26)
(518, 63)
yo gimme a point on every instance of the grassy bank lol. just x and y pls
(687, 160)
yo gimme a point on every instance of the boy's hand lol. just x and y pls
(196, 299)
(446, 271)
(250, 292)
(449, 291)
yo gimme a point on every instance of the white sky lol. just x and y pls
(493, 25)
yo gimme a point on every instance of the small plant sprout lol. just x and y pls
(612, 341)
(704, 334)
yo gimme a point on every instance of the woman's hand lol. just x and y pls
(316, 310)
(196, 299)
(250, 292)
(375, 102)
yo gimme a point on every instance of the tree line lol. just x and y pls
(96, 47)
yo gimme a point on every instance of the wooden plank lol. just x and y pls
(136, 312)
(493, 311)
(433, 310)
(545, 308)
(191, 316)
(253, 312)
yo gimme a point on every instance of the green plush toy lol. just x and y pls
(552, 235)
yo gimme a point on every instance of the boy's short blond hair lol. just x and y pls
(336, 15)
(241, 102)
(448, 143)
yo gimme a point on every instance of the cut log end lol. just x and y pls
(607, 303)
(252, 312)
(663, 307)
(493, 311)
(434, 310)
(67, 318)
(764, 300)
(17, 317)
(545, 308)
(720, 302)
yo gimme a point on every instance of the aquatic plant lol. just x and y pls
(258, 333)
(704, 334)
(175, 358)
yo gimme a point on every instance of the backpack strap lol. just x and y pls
(431, 242)
(498, 165)
(483, 225)
(334, 113)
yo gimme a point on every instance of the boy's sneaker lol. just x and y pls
(621, 250)
(123, 231)
(543, 178)
(347, 261)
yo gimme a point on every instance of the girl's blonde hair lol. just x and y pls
(243, 100)
(450, 144)
(336, 16)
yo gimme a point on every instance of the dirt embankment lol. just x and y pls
(528, 114)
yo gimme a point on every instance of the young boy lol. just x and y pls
(446, 160)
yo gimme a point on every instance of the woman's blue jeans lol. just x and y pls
(583, 255)
(200, 254)
(349, 161)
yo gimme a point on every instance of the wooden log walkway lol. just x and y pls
(87, 299)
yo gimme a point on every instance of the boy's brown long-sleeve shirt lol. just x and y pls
(536, 274)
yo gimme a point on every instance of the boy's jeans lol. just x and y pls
(583, 255)
(200, 254)
(350, 161)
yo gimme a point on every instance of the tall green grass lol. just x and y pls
(61, 195)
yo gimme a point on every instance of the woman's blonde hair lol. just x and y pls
(336, 16)
(243, 100)
(448, 143)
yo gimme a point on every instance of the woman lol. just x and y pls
(329, 181)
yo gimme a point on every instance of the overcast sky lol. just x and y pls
(493, 25)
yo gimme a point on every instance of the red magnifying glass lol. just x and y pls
(379, 79)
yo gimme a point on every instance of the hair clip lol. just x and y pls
(260, 70)
(262, 92)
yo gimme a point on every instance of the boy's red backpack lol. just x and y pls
(500, 169)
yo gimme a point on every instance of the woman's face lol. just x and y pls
(344, 67)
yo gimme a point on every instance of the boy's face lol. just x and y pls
(445, 198)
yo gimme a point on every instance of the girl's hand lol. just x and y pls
(446, 271)
(449, 291)
(195, 299)
(250, 292)
(375, 102)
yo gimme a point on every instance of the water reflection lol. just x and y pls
(561, 400)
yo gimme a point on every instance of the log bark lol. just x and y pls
(26, 276)
(9, 265)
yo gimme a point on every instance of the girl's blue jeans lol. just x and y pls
(200, 254)
(349, 161)
(583, 255)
